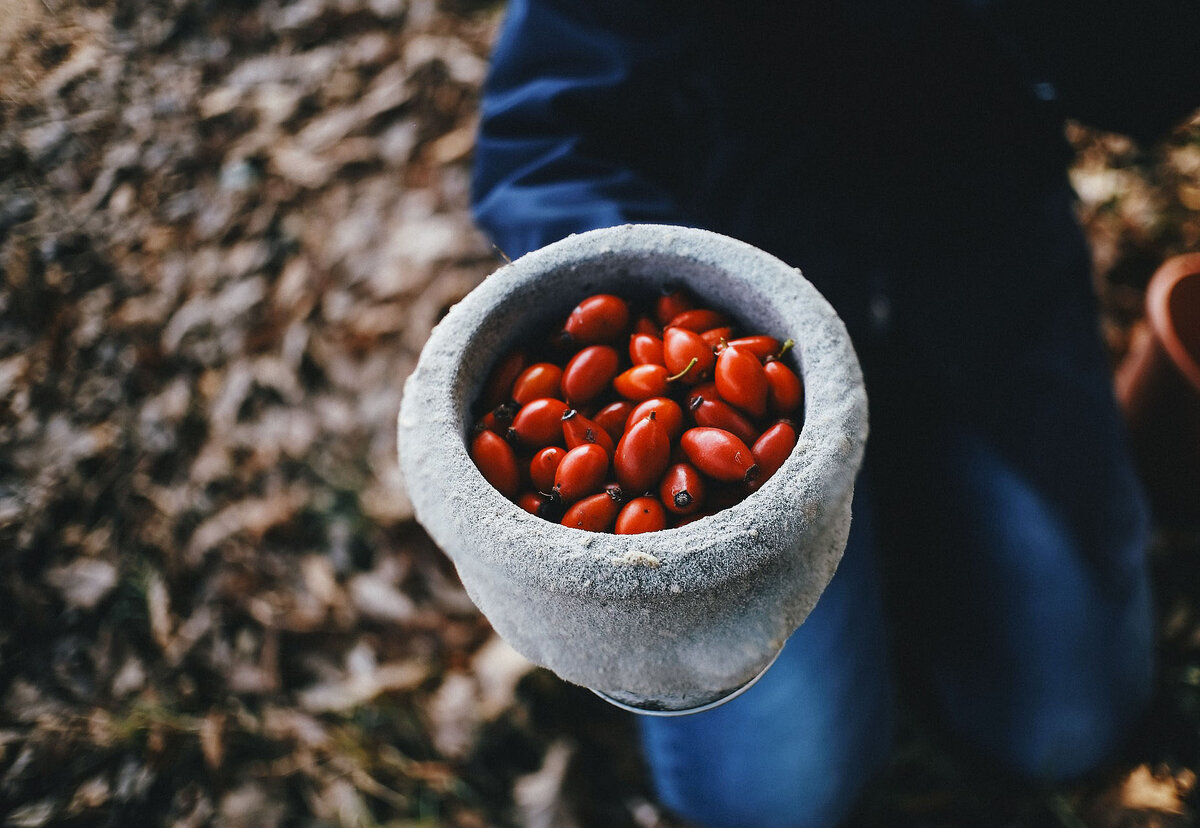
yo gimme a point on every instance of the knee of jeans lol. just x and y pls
(823, 800)
(1067, 739)
(815, 784)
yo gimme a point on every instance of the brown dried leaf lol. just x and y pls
(90, 795)
(362, 681)
(158, 608)
(84, 582)
(454, 715)
(33, 815)
(212, 745)
(301, 166)
(250, 806)
(251, 517)
(539, 795)
(1142, 790)
(498, 668)
(379, 600)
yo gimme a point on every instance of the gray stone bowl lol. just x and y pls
(666, 621)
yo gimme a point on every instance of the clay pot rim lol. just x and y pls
(588, 564)
(1163, 283)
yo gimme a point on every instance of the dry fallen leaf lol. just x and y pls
(84, 582)
(1142, 790)
(538, 795)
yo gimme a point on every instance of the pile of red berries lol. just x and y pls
(633, 422)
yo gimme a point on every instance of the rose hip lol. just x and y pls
(682, 489)
(665, 410)
(589, 372)
(719, 454)
(539, 423)
(499, 385)
(741, 380)
(642, 455)
(645, 349)
(646, 325)
(582, 472)
(716, 337)
(698, 320)
(612, 418)
(578, 430)
(542, 379)
(772, 448)
(543, 465)
(533, 502)
(785, 392)
(595, 513)
(685, 352)
(670, 305)
(761, 346)
(708, 409)
(599, 318)
(497, 462)
(641, 382)
(642, 514)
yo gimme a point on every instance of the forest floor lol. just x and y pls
(226, 231)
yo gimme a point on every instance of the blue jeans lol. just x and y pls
(995, 568)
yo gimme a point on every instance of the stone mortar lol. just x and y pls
(667, 620)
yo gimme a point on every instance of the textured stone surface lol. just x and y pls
(669, 619)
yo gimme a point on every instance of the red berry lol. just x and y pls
(582, 472)
(761, 346)
(683, 348)
(499, 385)
(641, 382)
(543, 465)
(599, 318)
(642, 514)
(589, 372)
(716, 337)
(642, 456)
(645, 349)
(595, 513)
(741, 380)
(542, 379)
(670, 305)
(539, 423)
(719, 454)
(499, 418)
(710, 410)
(578, 430)
(646, 325)
(785, 391)
(666, 411)
(682, 489)
(773, 448)
(612, 418)
(533, 502)
(698, 320)
(497, 462)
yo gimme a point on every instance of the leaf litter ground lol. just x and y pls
(225, 232)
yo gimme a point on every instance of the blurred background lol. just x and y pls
(226, 230)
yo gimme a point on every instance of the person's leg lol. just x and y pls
(798, 746)
(1030, 653)
(1017, 536)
